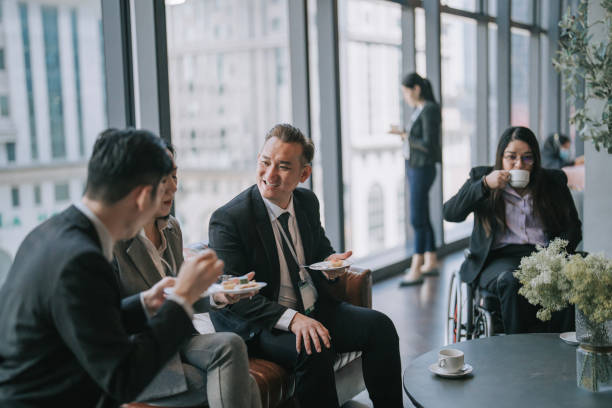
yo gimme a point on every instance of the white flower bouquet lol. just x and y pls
(553, 279)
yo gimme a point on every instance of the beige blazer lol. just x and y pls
(137, 272)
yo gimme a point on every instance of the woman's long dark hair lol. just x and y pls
(413, 79)
(548, 204)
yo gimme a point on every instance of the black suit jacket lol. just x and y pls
(425, 137)
(473, 198)
(66, 337)
(241, 234)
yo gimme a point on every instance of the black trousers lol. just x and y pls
(351, 328)
(518, 315)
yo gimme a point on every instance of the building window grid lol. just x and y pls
(54, 81)
(62, 192)
(10, 152)
(37, 195)
(4, 106)
(15, 197)
(77, 79)
(27, 61)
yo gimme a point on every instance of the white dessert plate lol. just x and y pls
(569, 338)
(217, 288)
(465, 370)
(327, 265)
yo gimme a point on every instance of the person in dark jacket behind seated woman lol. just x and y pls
(509, 220)
(556, 152)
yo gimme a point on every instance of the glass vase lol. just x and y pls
(594, 354)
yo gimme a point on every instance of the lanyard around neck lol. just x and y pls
(290, 245)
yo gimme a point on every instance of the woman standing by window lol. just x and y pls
(422, 152)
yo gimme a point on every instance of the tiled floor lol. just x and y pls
(418, 313)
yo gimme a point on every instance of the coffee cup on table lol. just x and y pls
(519, 178)
(450, 360)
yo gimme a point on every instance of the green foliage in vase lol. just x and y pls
(586, 69)
(553, 279)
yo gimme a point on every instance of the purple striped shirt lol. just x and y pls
(522, 225)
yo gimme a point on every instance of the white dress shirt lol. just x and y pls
(287, 296)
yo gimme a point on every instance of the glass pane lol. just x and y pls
(519, 80)
(419, 39)
(228, 68)
(494, 132)
(54, 85)
(468, 5)
(373, 164)
(492, 8)
(521, 11)
(458, 45)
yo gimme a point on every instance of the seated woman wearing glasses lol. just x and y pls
(510, 218)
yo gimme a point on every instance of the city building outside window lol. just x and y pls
(370, 36)
(54, 57)
(10, 152)
(230, 57)
(62, 192)
(4, 106)
(54, 81)
(15, 196)
(458, 65)
(376, 217)
(37, 195)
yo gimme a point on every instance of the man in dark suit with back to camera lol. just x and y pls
(66, 337)
(274, 228)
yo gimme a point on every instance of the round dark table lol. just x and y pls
(520, 370)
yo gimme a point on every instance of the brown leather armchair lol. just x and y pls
(275, 382)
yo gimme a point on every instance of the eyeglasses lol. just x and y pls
(526, 159)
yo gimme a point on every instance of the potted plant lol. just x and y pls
(553, 280)
(586, 69)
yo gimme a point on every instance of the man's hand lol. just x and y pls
(307, 330)
(335, 257)
(197, 274)
(154, 297)
(229, 299)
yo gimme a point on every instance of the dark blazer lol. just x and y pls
(66, 337)
(241, 233)
(425, 137)
(472, 197)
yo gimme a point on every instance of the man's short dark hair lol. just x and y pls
(290, 134)
(123, 160)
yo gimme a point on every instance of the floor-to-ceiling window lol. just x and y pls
(458, 63)
(53, 80)
(229, 79)
(373, 166)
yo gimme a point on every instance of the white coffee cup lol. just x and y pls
(519, 178)
(450, 360)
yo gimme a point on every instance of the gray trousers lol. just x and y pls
(216, 367)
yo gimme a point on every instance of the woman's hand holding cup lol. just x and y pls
(497, 179)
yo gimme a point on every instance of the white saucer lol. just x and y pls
(217, 288)
(465, 370)
(569, 338)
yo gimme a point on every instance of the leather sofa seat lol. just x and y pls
(277, 385)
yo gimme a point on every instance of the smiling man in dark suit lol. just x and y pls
(66, 337)
(272, 228)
